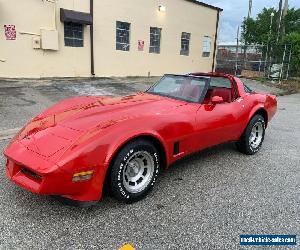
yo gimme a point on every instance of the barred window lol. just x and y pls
(73, 33)
(185, 43)
(123, 36)
(155, 37)
(206, 46)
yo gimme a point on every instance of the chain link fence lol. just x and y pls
(269, 61)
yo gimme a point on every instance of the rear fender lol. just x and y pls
(271, 106)
(254, 111)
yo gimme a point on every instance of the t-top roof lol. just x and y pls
(205, 5)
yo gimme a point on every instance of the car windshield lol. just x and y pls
(187, 88)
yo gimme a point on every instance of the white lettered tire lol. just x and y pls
(253, 136)
(134, 171)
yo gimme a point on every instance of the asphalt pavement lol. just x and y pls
(202, 202)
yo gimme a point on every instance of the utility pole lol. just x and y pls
(284, 13)
(288, 69)
(280, 5)
(250, 8)
(285, 8)
(282, 64)
(245, 44)
(268, 43)
(279, 20)
(237, 50)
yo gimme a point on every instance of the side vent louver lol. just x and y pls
(176, 148)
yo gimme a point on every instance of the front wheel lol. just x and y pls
(253, 136)
(135, 171)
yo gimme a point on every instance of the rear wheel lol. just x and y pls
(253, 136)
(135, 171)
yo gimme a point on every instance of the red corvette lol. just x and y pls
(72, 148)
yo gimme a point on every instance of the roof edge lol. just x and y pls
(205, 5)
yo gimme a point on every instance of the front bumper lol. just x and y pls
(54, 183)
(34, 173)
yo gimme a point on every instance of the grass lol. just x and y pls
(292, 85)
(260, 79)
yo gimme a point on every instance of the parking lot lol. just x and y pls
(202, 202)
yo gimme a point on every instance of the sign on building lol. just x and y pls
(10, 32)
(141, 45)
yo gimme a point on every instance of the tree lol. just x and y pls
(248, 31)
(292, 21)
(263, 22)
(293, 39)
(257, 31)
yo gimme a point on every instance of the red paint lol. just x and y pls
(84, 133)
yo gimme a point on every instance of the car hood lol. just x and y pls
(51, 133)
(104, 112)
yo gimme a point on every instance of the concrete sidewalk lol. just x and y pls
(31, 82)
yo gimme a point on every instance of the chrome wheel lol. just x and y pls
(138, 172)
(256, 135)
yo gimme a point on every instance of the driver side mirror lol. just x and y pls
(217, 100)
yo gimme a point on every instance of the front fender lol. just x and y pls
(96, 150)
(118, 144)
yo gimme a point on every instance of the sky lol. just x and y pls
(235, 10)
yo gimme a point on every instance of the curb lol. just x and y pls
(40, 82)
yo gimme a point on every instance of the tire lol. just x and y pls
(253, 136)
(134, 171)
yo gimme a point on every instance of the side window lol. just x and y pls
(123, 36)
(247, 89)
(221, 86)
(206, 46)
(220, 82)
(73, 34)
(155, 39)
(185, 43)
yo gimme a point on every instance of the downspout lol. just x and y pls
(215, 43)
(92, 38)
(54, 15)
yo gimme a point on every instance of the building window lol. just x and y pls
(185, 43)
(123, 36)
(73, 34)
(206, 46)
(155, 37)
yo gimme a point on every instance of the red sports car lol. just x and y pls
(76, 146)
